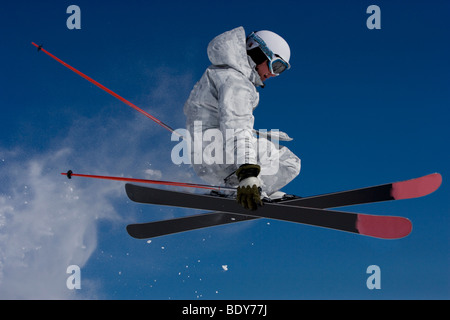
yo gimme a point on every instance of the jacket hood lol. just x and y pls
(229, 49)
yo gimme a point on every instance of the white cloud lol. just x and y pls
(153, 174)
(48, 222)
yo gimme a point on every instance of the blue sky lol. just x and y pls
(364, 107)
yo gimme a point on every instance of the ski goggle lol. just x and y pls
(276, 64)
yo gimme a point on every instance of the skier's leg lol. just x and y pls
(279, 166)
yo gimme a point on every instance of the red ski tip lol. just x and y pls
(416, 188)
(383, 227)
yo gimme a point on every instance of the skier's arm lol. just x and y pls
(236, 103)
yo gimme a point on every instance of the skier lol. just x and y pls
(224, 99)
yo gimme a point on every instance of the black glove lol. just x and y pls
(249, 190)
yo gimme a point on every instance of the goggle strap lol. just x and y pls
(262, 45)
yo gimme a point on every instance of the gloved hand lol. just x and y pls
(249, 190)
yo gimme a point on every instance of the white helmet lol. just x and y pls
(275, 48)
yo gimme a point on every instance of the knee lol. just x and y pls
(296, 165)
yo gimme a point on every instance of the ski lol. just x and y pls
(391, 191)
(385, 227)
(188, 223)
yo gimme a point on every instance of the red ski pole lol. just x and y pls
(70, 174)
(105, 89)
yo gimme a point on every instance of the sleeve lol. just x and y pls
(237, 99)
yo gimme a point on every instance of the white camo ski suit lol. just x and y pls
(223, 100)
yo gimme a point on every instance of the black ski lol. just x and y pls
(171, 226)
(385, 227)
(391, 191)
